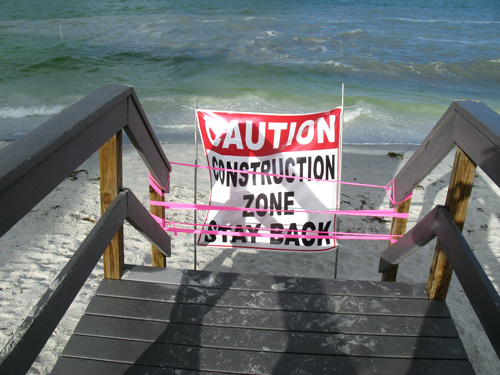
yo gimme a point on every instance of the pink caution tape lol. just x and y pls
(191, 206)
(274, 233)
(267, 232)
(388, 188)
(156, 186)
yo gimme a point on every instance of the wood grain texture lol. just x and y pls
(158, 259)
(457, 202)
(111, 181)
(398, 228)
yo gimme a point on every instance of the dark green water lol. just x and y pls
(403, 62)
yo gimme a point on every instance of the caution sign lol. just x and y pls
(279, 171)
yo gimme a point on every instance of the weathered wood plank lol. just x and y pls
(29, 339)
(473, 126)
(417, 237)
(477, 286)
(78, 366)
(435, 147)
(274, 283)
(457, 203)
(249, 362)
(477, 133)
(111, 182)
(273, 300)
(272, 340)
(195, 321)
(142, 136)
(51, 151)
(272, 319)
(158, 259)
(144, 223)
(398, 228)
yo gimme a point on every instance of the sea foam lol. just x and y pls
(22, 112)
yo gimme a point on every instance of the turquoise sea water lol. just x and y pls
(402, 62)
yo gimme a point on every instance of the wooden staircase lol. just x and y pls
(152, 320)
(159, 320)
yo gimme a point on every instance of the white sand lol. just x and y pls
(35, 250)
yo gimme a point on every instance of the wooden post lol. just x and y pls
(457, 202)
(110, 169)
(159, 260)
(398, 227)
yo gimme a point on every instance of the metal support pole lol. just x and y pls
(195, 260)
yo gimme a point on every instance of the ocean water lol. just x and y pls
(402, 62)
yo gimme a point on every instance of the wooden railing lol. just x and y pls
(475, 129)
(38, 162)
(35, 164)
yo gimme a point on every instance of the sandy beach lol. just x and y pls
(35, 250)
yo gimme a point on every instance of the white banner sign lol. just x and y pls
(286, 156)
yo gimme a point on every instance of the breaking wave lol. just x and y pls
(23, 112)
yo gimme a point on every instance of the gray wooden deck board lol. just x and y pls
(271, 283)
(273, 300)
(200, 322)
(270, 319)
(248, 362)
(74, 366)
(271, 340)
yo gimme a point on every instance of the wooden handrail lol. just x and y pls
(398, 228)
(39, 161)
(473, 126)
(476, 284)
(27, 342)
(475, 129)
(35, 164)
